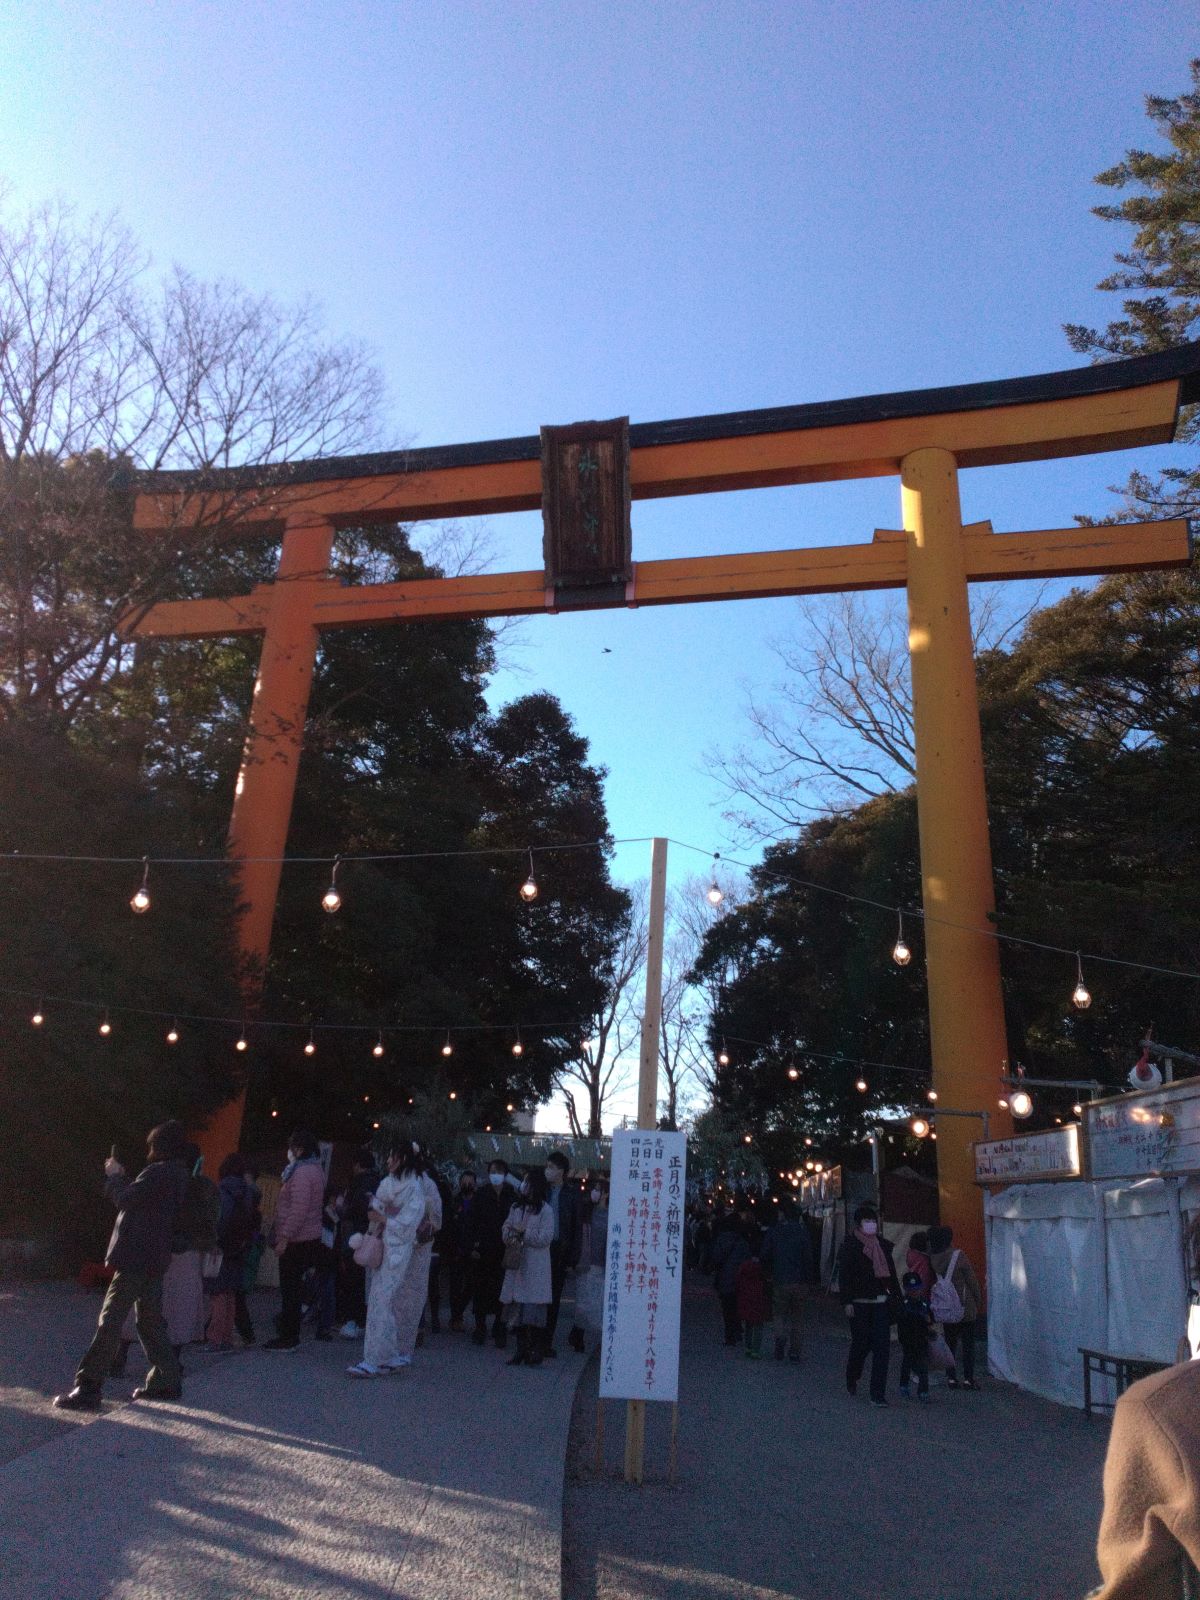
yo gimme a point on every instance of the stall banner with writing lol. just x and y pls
(1047, 1153)
(1156, 1134)
(643, 1277)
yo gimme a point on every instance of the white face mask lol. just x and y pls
(551, 1175)
(496, 1179)
(869, 1227)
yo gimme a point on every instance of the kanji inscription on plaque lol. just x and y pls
(586, 535)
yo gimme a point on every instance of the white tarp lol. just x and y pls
(1147, 1295)
(1045, 1285)
(1082, 1264)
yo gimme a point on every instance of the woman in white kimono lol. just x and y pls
(410, 1303)
(399, 1205)
(527, 1289)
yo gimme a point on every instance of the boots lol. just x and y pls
(500, 1334)
(480, 1334)
(576, 1340)
(539, 1341)
(522, 1357)
(794, 1347)
(117, 1370)
(780, 1347)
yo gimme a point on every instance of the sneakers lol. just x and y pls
(968, 1383)
(398, 1365)
(350, 1330)
(882, 1404)
(142, 1393)
(360, 1369)
(282, 1344)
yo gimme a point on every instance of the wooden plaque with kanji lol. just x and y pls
(585, 504)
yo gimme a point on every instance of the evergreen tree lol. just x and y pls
(1159, 275)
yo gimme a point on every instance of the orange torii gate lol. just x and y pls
(584, 478)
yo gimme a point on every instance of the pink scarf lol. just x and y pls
(870, 1243)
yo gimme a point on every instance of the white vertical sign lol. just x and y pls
(643, 1276)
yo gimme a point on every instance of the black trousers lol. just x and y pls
(352, 1291)
(870, 1335)
(733, 1323)
(558, 1277)
(241, 1316)
(143, 1290)
(964, 1332)
(460, 1287)
(487, 1276)
(293, 1264)
(914, 1363)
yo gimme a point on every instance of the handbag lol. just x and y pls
(368, 1252)
(941, 1357)
(211, 1263)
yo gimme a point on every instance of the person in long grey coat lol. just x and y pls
(527, 1290)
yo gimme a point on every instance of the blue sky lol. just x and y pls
(534, 214)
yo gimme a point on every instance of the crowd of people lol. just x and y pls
(365, 1259)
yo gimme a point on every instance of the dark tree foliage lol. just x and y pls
(66, 1093)
(1092, 748)
(1159, 275)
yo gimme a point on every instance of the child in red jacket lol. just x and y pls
(752, 1304)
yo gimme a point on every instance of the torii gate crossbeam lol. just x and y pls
(922, 436)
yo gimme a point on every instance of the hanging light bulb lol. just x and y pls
(37, 1018)
(715, 893)
(931, 1094)
(453, 1094)
(1020, 1103)
(377, 1048)
(141, 897)
(447, 1048)
(242, 1043)
(1002, 1103)
(510, 1106)
(173, 1033)
(1081, 999)
(919, 1128)
(808, 1141)
(1077, 1110)
(529, 889)
(518, 1048)
(106, 1026)
(310, 1049)
(331, 900)
(793, 1073)
(901, 954)
(723, 1055)
(861, 1085)
(746, 1139)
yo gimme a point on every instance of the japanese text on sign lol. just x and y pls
(639, 1356)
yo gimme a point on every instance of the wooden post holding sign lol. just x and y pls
(643, 1280)
(624, 1290)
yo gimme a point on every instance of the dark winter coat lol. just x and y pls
(196, 1223)
(787, 1253)
(729, 1251)
(856, 1275)
(147, 1213)
(488, 1214)
(235, 1233)
(569, 1244)
(358, 1202)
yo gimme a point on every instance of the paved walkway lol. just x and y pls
(789, 1489)
(280, 1477)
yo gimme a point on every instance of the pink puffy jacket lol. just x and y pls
(298, 1209)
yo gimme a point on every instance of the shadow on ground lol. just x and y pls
(789, 1488)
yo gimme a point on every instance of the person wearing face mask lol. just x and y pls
(868, 1288)
(589, 1276)
(296, 1231)
(565, 1204)
(488, 1215)
(527, 1288)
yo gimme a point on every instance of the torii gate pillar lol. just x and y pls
(966, 1002)
(266, 782)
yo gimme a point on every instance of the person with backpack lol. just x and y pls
(956, 1301)
(236, 1227)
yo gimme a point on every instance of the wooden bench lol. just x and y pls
(1123, 1370)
